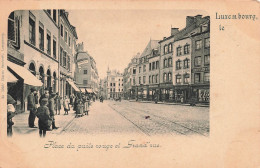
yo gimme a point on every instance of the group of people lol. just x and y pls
(45, 112)
(46, 107)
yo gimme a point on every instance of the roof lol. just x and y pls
(153, 44)
(82, 55)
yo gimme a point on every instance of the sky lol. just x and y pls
(113, 37)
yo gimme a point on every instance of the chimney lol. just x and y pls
(189, 20)
(80, 47)
(174, 31)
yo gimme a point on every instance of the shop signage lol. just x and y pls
(202, 69)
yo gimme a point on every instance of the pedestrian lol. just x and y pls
(45, 120)
(32, 107)
(66, 105)
(45, 95)
(51, 106)
(58, 104)
(10, 114)
(72, 100)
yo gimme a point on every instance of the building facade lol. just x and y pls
(115, 84)
(67, 42)
(86, 71)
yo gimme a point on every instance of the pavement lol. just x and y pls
(170, 103)
(21, 123)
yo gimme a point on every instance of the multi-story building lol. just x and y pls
(67, 42)
(86, 71)
(200, 61)
(115, 84)
(166, 64)
(35, 34)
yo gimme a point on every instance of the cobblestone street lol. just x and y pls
(113, 117)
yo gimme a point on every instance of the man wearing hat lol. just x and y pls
(51, 109)
(32, 107)
(10, 114)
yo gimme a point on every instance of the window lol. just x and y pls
(197, 61)
(12, 28)
(114, 89)
(139, 80)
(49, 11)
(61, 56)
(64, 59)
(122, 84)
(54, 48)
(41, 38)
(165, 49)
(114, 84)
(165, 63)
(187, 49)
(110, 84)
(156, 79)
(169, 77)
(134, 71)
(85, 71)
(122, 90)
(119, 84)
(61, 30)
(144, 68)
(206, 77)
(178, 51)
(178, 64)
(197, 77)
(144, 79)
(164, 77)
(198, 44)
(186, 78)
(133, 81)
(32, 31)
(69, 63)
(119, 90)
(54, 15)
(206, 59)
(170, 47)
(150, 66)
(69, 40)
(66, 36)
(178, 79)
(153, 67)
(139, 69)
(119, 80)
(186, 63)
(153, 79)
(85, 82)
(48, 44)
(157, 64)
(207, 42)
(169, 62)
(110, 89)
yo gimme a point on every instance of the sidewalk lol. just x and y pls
(21, 123)
(170, 103)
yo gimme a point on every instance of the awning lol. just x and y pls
(82, 90)
(24, 73)
(72, 84)
(11, 78)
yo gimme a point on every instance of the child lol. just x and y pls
(66, 105)
(44, 117)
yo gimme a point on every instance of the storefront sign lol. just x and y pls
(202, 69)
(204, 95)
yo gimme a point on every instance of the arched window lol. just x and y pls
(165, 49)
(165, 77)
(170, 62)
(165, 65)
(32, 69)
(170, 47)
(170, 76)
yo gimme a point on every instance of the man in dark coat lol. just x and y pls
(32, 107)
(51, 109)
(44, 117)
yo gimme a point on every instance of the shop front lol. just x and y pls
(201, 93)
(182, 93)
(152, 90)
(166, 92)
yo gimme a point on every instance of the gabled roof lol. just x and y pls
(153, 44)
